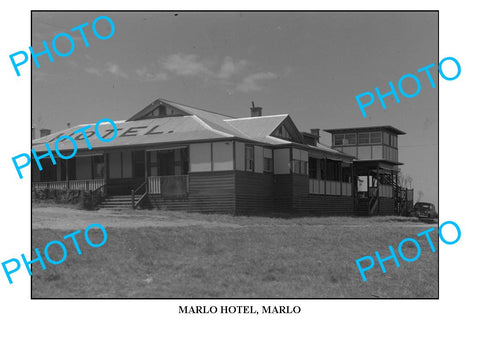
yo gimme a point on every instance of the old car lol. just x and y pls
(424, 210)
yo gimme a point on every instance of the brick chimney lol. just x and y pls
(316, 133)
(255, 111)
(45, 132)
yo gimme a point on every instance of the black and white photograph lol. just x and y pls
(238, 170)
(235, 154)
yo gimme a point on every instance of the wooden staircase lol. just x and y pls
(117, 202)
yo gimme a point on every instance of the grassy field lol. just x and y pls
(158, 254)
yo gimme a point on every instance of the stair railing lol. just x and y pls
(134, 192)
(398, 197)
(99, 195)
(373, 202)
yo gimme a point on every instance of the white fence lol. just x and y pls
(176, 185)
(322, 187)
(81, 184)
(50, 185)
(154, 185)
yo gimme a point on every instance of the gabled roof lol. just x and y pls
(213, 119)
(257, 128)
(184, 123)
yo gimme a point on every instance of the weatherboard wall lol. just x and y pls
(211, 192)
(253, 193)
(305, 203)
(386, 206)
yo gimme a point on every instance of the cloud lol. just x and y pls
(146, 75)
(230, 68)
(73, 63)
(250, 82)
(111, 68)
(115, 70)
(186, 65)
(190, 65)
(229, 73)
(93, 70)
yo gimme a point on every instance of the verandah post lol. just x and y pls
(105, 172)
(146, 171)
(378, 189)
(66, 174)
(341, 179)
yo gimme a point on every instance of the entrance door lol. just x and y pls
(126, 171)
(168, 172)
(139, 164)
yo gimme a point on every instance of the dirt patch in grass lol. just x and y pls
(61, 217)
(178, 255)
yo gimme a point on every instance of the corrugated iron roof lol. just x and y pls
(213, 119)
(141, 132)
(258, 128)
(366, 128)
(195, 125)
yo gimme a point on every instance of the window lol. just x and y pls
(152, 163)
(185, 160)
(72, 172)
(312, 167)
(346, 175)
(386, 138)
(323, 167)
(345, 139)
(296, 166)
(171, 162)
(98, 167)
(369, 138)
(249, 158)
(282, 132)
(267, 164)
(161, 163)
(364, 138)
(300, 167)
(303, 167)
(63, 169)
(158, 112)
(333, 170)
(267, 160)
(338, 140)
(375, 137)
(350, 139)
(49, 172)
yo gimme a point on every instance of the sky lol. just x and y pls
(310, 65)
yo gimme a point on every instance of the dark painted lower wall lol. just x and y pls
(325, 205)
(208, 192)
(249, 193)
(283, 193)
(305, 203)
(362, 207)
(386, 206)
(253, 193)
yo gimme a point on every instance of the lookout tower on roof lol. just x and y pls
(368, 143)
(376, 168)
